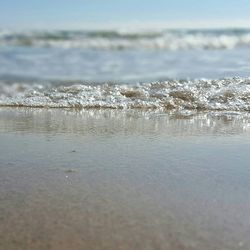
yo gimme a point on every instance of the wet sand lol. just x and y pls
(105, 179)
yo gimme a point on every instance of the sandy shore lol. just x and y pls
(109, 180)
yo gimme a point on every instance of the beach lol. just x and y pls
(124, 139)
(123, 179)
(124, 125)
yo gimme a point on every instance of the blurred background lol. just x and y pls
(123, 41)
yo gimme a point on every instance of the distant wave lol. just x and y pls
(118, 40)
(224, 94)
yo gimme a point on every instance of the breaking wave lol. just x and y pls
(118, 40)
(224, 94)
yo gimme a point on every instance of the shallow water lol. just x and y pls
(126, 66)
(166, 70)
(124, 56)
(207, 95)
(121, 143)
(106, 179)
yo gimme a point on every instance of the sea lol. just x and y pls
(167, 69)
(125, 139)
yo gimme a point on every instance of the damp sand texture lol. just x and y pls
(131, 180)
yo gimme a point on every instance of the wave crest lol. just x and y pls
(117, 40)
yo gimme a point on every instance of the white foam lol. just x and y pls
(225, 94)
(120, 39)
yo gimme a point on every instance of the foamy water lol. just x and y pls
(110, 132)
(121, 39)
(143, 69)
(225, 94)
(124, 55)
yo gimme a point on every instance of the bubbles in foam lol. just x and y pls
(224, 94)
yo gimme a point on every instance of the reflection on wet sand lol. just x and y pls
(108, 180)
(122, 122)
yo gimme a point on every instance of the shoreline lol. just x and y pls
(112, 179)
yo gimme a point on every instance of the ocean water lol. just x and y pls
(125, 139)
(124, 69)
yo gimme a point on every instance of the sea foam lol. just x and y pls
(119, 40)
(223, 94)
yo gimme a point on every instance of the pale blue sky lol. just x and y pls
(63, 13)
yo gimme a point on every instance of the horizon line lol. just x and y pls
(135, 25)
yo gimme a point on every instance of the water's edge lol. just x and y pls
(207, 95)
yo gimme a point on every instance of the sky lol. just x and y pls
(88, 13)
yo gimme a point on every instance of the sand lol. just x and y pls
(106, 179)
